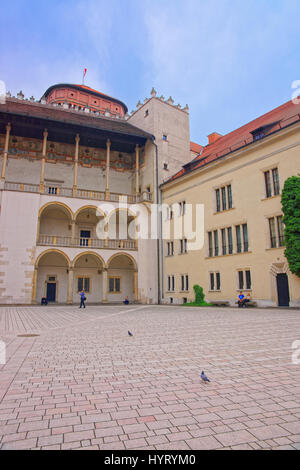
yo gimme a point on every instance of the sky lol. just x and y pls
(229, 60)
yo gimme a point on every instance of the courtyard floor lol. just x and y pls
(83, 383)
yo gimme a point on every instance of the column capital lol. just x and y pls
(137, 147)
(108, 143)
(77, 138)
(45, 134)
(8, 127)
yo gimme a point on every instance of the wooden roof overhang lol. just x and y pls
(93, 131)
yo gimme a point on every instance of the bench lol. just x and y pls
(251, 303)
(225, 303)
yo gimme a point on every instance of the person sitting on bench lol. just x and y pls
(44, 301)
(241, 301)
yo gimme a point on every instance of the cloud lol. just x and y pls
(215, 55)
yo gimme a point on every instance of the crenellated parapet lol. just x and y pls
(153, 95)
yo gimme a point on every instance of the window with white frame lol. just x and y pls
(182, 207)
(171, 283)
(276, 231)
(272, 184)
(244, 280)
(170, 213)
(223, 198)
(183, 246)
(184, 282)
(214, 281)
(170, 248)
(242, 242)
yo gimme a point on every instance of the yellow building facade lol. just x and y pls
(243, 232)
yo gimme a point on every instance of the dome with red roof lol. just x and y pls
(82, 96)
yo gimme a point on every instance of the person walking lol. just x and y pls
(82, 299)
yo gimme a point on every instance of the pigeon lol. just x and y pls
(204, 378)
(129, 333)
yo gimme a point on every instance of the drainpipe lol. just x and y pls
(159, 223)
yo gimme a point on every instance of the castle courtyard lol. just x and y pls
(83, 383)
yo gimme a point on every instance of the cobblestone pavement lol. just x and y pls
(83, 383)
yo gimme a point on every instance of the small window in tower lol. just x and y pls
(165, 166)
(146, 113)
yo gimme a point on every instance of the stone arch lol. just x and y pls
(56, 203)
(129, 256)
(52, 250)
(88, 206)
(88, 253)
(47, 225)
(51, 275)
(122, 278)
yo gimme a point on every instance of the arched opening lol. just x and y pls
(55, 225)
(52, 276)
(122, 278)
(121, 230)
(85, 231)
(88, 276)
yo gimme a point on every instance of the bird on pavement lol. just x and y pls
(129, 333)
(204, 378)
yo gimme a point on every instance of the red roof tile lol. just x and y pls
(268, 123)
(196, 148)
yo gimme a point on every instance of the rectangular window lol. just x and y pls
(210, 244)
(83, 284)
(224, 201)
(223, 198)
(215, 281)
(182, 283)
(170, 248)
(218, 201)
(241, 280)
(280, 230)
(248, 279)
(224, 247)
(182, 208)
(218, 281)
(245, 237)
(216, 243)
(238, 239)
(272, 232)
(229, 194)
(114, 284)
(276, 186)
(230, 243)
(268, 184)
(212, 281)
(171, 283)
(183, 246)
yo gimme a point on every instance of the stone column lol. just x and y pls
(34, 281)
(77, 139)
(107, 170)
(135, 286)
(8, 128)
(73, 228)
(104, 286)
(70, 286)
(42, 178)
(137, 161)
